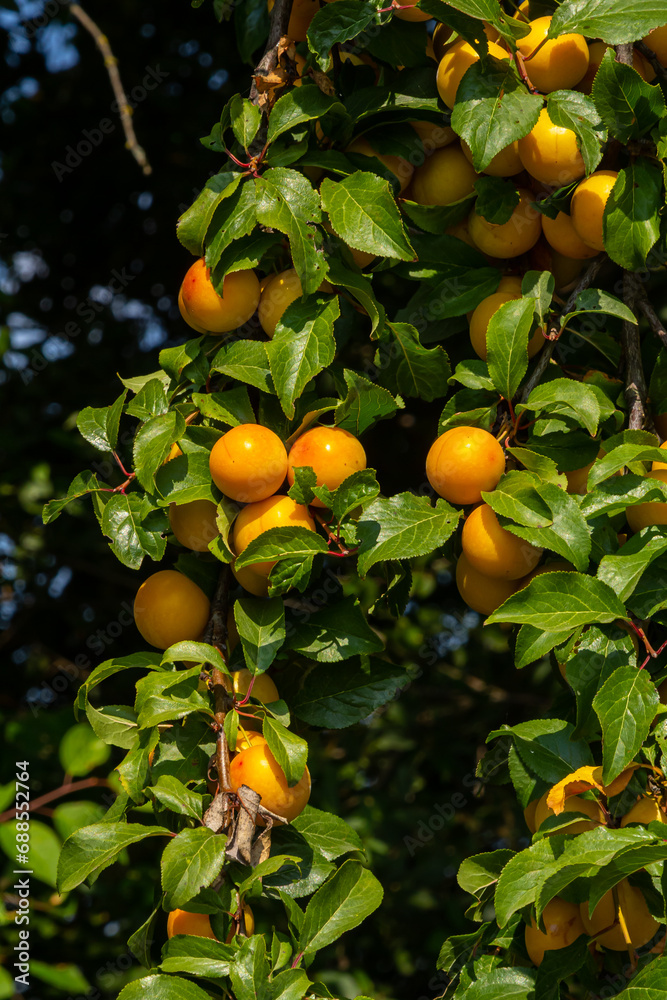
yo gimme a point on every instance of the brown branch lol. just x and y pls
(215, 632)
(642, 302)
(111, 64)
(624, 53)
(650, 56)
(635, 383)
(521, 67)
(58, 793)
(280, 16)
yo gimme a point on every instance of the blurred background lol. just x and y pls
(89, 276)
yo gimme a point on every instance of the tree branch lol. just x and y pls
(280, 15)
(111, 64)
(635, 383)
(650, 56)
(624, 53)
(58, 793)
(642, 302)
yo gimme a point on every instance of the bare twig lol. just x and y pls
(111, 64)
(216, 629)
(635, 383)
(280, 15)
(521, 67)
(650, 56)
(642, 302)
(58, 793)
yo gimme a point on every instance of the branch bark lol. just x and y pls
(280, 16)
(650, 56)
(111, 64)
(642, 301)
(635, 383)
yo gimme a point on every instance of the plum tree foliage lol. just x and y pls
(501, 164)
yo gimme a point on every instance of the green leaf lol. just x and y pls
(560, 601)
(193, 224)
(135, 527)
(174, 795)
(152, 444)
(96, 847)
(301, 347)
(631, 223)
(507, 338)
(157, 987)
(246, 361)
(364, 214)
(347, 898)
(480, 871)
(68, 817)
(231, 407)
(335, 700)
(245, 119)
(602, 19)
(82, 485)
(625, 705)
(114, 724)
(497, 197)
(628, 105)
(286, 201)
(532, 644)
(437, 218)
(548, 747)
(493, 109)
(501, 984)
(623, 570)
(564, 396)
(261, 627)
(281, 543)
(289, 750)
(99, 425)
(150, 400)
(365, 402)
(649, 982)
(334, 633)
(325, 832)
(577, 112)
(357, 490)
(164, 697)
(522, 876)
(596, 301)
(406, 367)
(402, 527)
(234, 219)
(190, 861)
(44, 849)
(136, 661)
(196, 956)
(358, 286)
(250, 970)
(81, 751)
(301, 104)
(332, 26)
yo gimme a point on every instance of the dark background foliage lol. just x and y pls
(87, 240)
